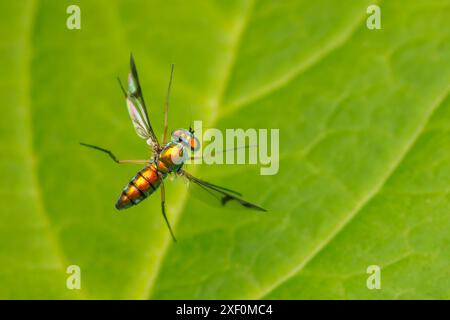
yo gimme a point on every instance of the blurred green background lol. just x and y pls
(365, 162)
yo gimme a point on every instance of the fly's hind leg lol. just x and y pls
(112, 156)
(163, 206)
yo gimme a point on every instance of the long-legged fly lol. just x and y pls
(168, 157)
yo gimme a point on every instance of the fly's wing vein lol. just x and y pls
(136, 107)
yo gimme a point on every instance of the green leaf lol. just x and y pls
(364, 165)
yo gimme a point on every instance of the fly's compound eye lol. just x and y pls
(186, 138)
(180, 135)
(194, 144)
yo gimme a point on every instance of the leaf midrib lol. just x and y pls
(216, 102)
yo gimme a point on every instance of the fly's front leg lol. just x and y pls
(166, 111)
(163, 205)
(112, 156)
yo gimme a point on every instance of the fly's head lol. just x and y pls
(186, 138)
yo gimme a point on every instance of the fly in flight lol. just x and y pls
(168, 157)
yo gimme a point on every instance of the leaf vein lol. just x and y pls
(329, 48)
(364, 201)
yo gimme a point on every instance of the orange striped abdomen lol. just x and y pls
(143, 184)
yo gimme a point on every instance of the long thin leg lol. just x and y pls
(113, 156)
(163, 207)
(225, 151)
(166, 112)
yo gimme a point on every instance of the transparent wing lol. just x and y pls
(222, 196)
(138, 118)
(136, 106)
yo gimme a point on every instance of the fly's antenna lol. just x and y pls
(190, 120)
(121, 87)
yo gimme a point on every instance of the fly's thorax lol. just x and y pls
(172, 156)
